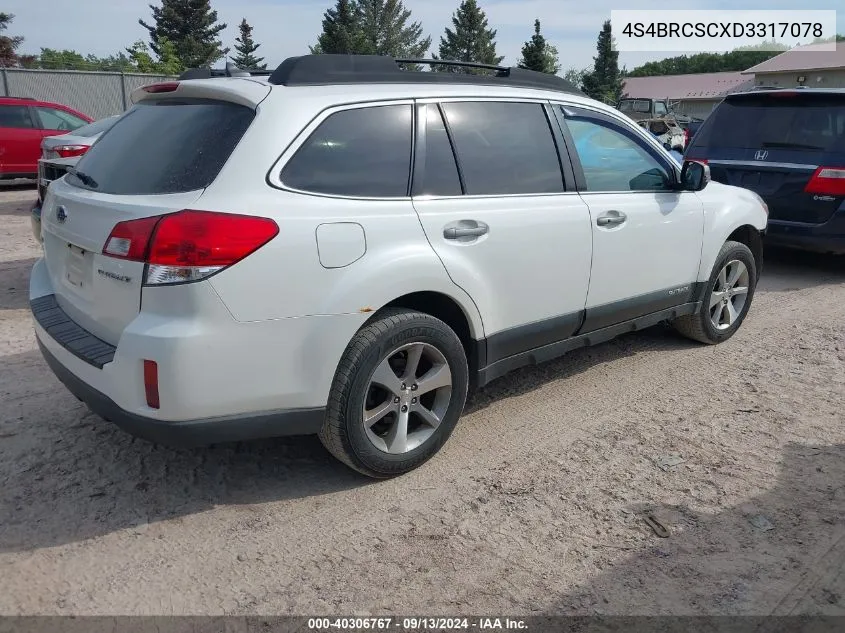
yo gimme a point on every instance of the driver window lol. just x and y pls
(613, 161)
(52, 119)
(659, 108)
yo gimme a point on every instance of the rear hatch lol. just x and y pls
(775, 143)
(157, 159)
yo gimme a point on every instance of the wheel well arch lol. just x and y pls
(751, 237)
(445, 308)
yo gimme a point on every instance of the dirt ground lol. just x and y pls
(535, 506)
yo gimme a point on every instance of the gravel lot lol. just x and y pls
(535, 505)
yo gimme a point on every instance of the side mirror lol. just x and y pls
(694, 176)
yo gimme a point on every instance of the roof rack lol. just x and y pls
(229, 71)
(318, 70)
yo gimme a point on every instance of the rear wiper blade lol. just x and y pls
(85, 178)
(788, 145)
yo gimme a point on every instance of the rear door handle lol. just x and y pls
(611, 218)
(465, 228)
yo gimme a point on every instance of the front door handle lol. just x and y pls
(465, 228)
(611, 218)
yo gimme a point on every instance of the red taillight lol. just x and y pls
(828, 181)
(151, 383)
(206, 238)
(130, 240)
(69, 151)
(167, 86)
(189, 245)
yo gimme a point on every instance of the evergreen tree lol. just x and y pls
(385, 30)
(8, 45)
(142, 61)
(191, 26)
(538, 54)
(604, 82)
(246, 47)
(342, 32)
(471, 40)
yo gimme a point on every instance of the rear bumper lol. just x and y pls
(820, 238)
(188, 433)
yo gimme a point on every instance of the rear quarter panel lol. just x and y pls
(285, 278)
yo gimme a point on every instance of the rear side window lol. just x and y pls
(167, 146)
(504, 148)
(440, 172)
(15, 117)
(808, 122)
(363, 152)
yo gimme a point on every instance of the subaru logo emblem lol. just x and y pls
(761, 154)
(61, 214)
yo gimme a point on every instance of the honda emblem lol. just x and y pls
(761, 154)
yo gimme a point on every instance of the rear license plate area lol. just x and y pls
(76, 266)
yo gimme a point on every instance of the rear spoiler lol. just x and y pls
(229, 71)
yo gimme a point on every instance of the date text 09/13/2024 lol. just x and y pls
(416, 624)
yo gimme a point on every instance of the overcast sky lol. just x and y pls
(287, 27)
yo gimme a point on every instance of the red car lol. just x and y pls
(23, 123)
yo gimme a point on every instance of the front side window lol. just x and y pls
(54, 119)
(504, 148)
(614, 161)
(659, 108)
(15, 117)
(363, 152)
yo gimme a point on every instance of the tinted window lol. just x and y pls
(440, 173)
(614, 161)
(167, 146)
(504, 148)
(365, 152)
(15, 116)
(800, 122)
(53, 119)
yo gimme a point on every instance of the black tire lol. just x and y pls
(699, 326)
(343, 432)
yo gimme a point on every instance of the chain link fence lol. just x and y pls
(98, 94)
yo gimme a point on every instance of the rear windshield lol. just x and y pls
(809, 122)
(167, 146)
(635, 105)
(97, 127)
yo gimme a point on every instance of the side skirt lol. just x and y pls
(554, 350)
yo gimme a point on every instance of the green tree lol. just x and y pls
(604, 82)
(342, 33)
(246, 47)
(8, 45)
(191, 26)
(575, 76)
(143, 62)
(386, 31)
(470, 41)
(538, 54)
(741, 58)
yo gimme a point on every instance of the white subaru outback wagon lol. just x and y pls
(347, 246)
